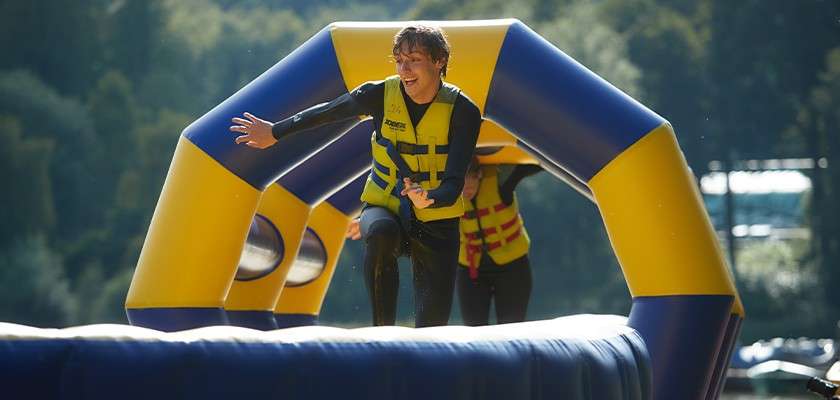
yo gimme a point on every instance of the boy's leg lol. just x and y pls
(474, 297)
(382, 235)
(434, 250)
(513, 290)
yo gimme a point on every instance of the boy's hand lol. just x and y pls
(257, 132)
(353, 231)
(418, 195)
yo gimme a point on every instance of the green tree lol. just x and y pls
(139, 187)
(57, 42)
(130, 32)
(36, 291)
(109, 306)
(114, 112)
(579, 32)
(780, 290)
(782, 92)
(27, 198)
(223, 46)
(101, 299)
(73, 168)
(766, 56)
(818, 128)
(667, 42)
(442, 10)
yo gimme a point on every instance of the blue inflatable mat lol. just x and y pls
(576, 357)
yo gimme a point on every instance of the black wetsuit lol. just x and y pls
(434, 245)
(509, 285)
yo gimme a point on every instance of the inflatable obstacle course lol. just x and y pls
(230, 231)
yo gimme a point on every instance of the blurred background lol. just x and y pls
(94, 94)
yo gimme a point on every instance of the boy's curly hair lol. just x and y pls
(425, 38)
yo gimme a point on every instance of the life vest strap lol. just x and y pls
(404, 170)
(415, 176)
(420, 149)
(491, 230)
(384, 185)
(495, 245)
(481, 212)
(472, 252)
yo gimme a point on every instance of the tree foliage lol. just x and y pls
(28, 209)
(35, 288)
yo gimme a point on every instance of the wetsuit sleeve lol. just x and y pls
(463, 134)
(518, 173)
(361, 101)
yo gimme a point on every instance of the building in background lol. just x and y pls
(768, 198)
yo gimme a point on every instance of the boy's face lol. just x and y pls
(420, 75)
(471, 182)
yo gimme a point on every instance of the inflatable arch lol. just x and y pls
(226, 208)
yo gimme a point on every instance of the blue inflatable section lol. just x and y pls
(572, 358)
(733, 328)
(557, 171)
(347, 200)
(176, 319)
(295, 320)
(677, 328)
(532, 77)
(330, 168)
(262, 320)
(275, 95)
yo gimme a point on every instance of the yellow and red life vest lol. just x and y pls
(489, 225)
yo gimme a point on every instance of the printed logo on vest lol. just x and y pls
(395, 126)
(394, 108)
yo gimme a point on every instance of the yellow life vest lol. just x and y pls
(489, 225)
(423, 150)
